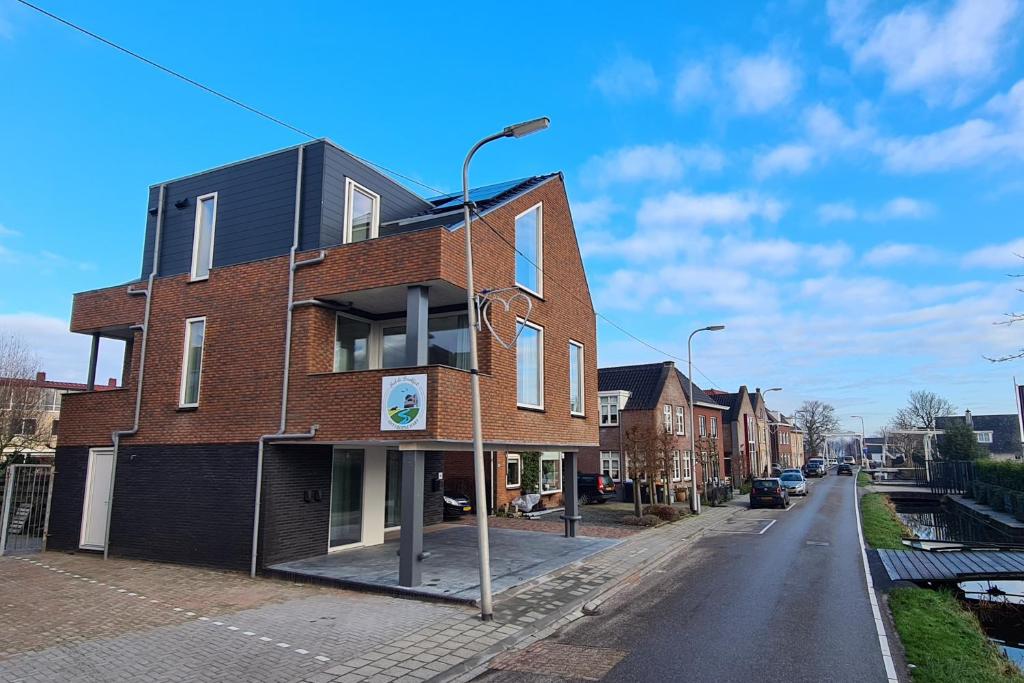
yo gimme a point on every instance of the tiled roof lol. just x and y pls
(643, 382)
(700, 396)
(1005, 430)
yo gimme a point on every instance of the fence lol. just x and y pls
(25, 510)
(951, 476)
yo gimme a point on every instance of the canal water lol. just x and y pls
(998, 604)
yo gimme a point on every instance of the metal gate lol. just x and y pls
(26, 509)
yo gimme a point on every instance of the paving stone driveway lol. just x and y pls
(77, 617)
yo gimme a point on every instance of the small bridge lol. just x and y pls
(962, 565)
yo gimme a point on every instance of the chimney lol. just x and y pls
(40, 376)
(968, 418)
(112, 382)
(669, 363)
(757, 390)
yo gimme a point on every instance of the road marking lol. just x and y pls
(822, 543)
(767, 527)
(883, 640)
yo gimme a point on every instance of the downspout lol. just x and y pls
(116, 435)
(279, 435)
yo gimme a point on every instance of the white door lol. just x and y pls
(97, 498)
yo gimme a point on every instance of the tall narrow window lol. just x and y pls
(448, 342)
(362, 212)
(192, 362)
(513, 473)
(714, 427)
(529, 248)
(681, 420)
(575, 378)
(703, 425)
(351, 345)
(530, 366)
(393, 346)
(202, 241)
(668, 418)
(677, 472)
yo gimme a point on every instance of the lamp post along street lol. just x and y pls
(694, 494)
(483, 542)
(766, 391)
(863, 446)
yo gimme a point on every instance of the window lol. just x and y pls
(28, 427)
(687, 472)
(202, 241)
(529, 250)
(513, 472)
(575, 378)
(984, 437)
(351, 345)
(609, 411)
(192, 361)
(362, 212)
(610, 464)
(714, 427)
(51, 400)
(677, 472)
(703, 425)
(668, 418)
(54, 427)
(681, 420)
(550, 472)
(448, 341)
(393, 346)
(530, 366)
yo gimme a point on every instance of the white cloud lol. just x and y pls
(693, 85)
(793, 159)
(6, 26)
(781, 255)
(836, 211)
(62, 355)
(8, 232)
(626, 78)
(946, 56)
(703, 209)
(650, 163)
(997, 256)
(762, 83)
(970, 143)
(893, 253)
(901, 207)
(827, 130)
(594, 212)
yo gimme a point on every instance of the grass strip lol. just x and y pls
(863, 478)
(882, 528)
(944, 640)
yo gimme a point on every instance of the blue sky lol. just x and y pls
(839, 183)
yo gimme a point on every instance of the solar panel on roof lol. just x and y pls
(477, 194)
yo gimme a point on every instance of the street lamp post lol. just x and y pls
(483, 544)
(694, 494)
(862, 445)
(766, 391)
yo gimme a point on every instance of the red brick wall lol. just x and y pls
(106, 308)
(708, 413)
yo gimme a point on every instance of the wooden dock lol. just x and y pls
(963, 565)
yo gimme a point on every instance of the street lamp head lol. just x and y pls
(525, 128)
(714, 328)
(772, 389)
(857, 416)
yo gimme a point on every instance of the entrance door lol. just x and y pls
(393, 491)
(97, 498)
(346, 498)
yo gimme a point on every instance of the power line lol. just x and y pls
(295, 129)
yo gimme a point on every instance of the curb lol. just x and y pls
(587, 604)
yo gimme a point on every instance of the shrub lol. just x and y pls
(745, 487)
(1005, 473)
(665, 512)
(646, 520)
(996, 498)
(529, 472)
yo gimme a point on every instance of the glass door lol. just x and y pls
(346, 498)
(393, 491)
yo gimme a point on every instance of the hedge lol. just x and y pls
(1004, 473)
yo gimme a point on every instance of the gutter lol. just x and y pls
(115, 437)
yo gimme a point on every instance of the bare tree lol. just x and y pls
(22, 418)
(816, 419)
(1009, 319)
(664, 465)
(921, 410)
(641, 443)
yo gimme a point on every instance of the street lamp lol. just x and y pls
(483, 544)
(766, 391)
(694, 495)
(862, 444)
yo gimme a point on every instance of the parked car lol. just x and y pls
(776, 470)
(456, 505)
(794, 483)
(849, 460)
(595, 488)
(792, 469)
(815, 467)
(768, 491)
(845, 468)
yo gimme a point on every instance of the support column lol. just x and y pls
(570, 490)
(126, 364)
(90, 382)
(417, 310)
(411, 544)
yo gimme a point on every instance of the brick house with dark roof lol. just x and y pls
(297, 354)
(740, 433)
(655, 393)
(998, 435)
(781, 440)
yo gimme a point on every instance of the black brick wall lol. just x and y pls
(70, 465)
(433, 501)
(185, 504)
(292, 528)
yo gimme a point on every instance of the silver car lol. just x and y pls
(794, 483)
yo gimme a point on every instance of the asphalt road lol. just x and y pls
(787, 605)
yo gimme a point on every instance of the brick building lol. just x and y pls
(781, 440)
(656, 394)
(739, 433)
(298, 350)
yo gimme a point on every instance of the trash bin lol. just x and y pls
(627, 491)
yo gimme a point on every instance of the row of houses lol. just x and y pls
(296, 370)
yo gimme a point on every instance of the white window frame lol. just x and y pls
(612, 399)
(666, 417)
(687, 469)
(985, 433)
(703, 422)
(582, 412)
(609, 457)
(714, 427)
(195, 237)
(540, 364)
(681, 420)
(556, 457)
(184, 363)
(677, 467)
(516, 458)
(350, 186)
(539, 207)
